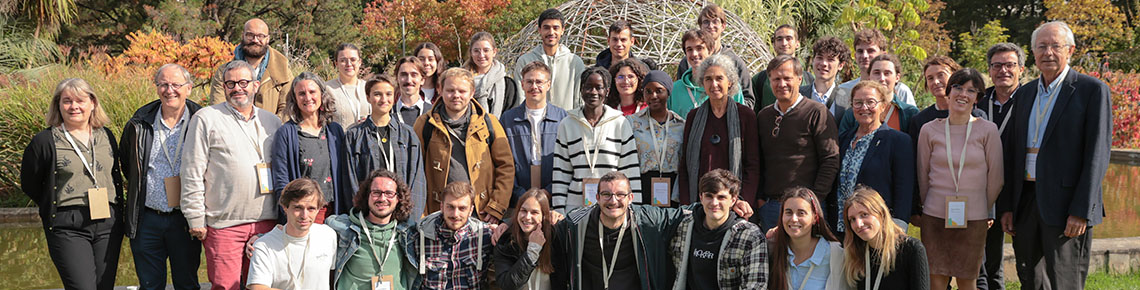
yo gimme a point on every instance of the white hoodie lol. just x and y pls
(616, 150)
(566, 70)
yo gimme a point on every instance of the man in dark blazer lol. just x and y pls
(1060, 146)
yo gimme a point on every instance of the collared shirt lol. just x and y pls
(823, 97)
(1043, 102)
(649, 134)
(797, 103)
(408, 114)
(163, 164)
(453, 257)
(819, 263)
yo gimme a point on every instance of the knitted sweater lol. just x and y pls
(615, 148)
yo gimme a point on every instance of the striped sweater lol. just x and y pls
(612, 140)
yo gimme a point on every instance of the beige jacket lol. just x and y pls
(275, 84)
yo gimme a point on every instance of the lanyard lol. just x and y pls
(691, 97)
(608, 269)
(659, 146)
(592, 159)
(297, 280)
(257, 127)
(867, 269)
(806, 277)
(80, 153)
(390, 156)
(387, 249)
(889, 114)
(178, 149)
(1007, 107)
(961, 159)
(353, 101)
(1048, 102)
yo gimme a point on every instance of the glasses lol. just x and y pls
(170, 86)
(960, 88)
(625, 78)
(345, 60)
(997, 66)
(865, 104)
(252, 36)
(611, 195)
(1047, 47)
(378, 193)
(776, 131)
(242, 83)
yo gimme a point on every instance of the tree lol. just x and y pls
(397, 26)
(1097, 25)
(1019, 16)
(972, 47)
(48, 15)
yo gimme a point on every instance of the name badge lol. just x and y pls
(956, 212)
(98, 203)
(264, 184)
(590, 191)
(660, 191)
(173, 186)
(536, 176)
(382, 282)
(1031, 164)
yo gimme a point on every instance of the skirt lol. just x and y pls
(954, 252)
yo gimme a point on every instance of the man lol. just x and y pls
(151, 157)
(1006, 62)
(829, 56)
(885, 69)
(798, 141)
(372, 236)
(713, 20)
(869, 44)
(785, 41)
(688, 93)
(270, 68)
(1060, 142)
(531, 130)
(565, 66)
(228, 145)
(300, 255)
(451, 248)
(410, 102)
(621, 41)
(462, 142)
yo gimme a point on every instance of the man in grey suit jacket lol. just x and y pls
(1059, 152)
(828, 57)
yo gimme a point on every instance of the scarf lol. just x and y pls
(693, 150)
(490, 85)
(238, 55)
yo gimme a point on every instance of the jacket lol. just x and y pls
(649, 225)
(348, 232)
(742, 70)
(906, 112)
(486, 143)
(837, 103)
(286, 164)
(565, 75)
(519, 130)
(424, 246)
(363, 159)
(37, 174)
(605, 59)
(275, 83)
(137, 139)
(513, 266)
(888, 167)
(616, 150)
(684, 92)
(742, 262)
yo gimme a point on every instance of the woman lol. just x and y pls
(714, 248)
(659, 133)
(899, 261)
(433, 65)
(805, 255)
(496, 91)
(592, 141)
(874, 155)
(311, 145)
(379, 142)
(522, 255)
(716, 134)
(71, 171)
(959, 165)
(625, 94)
(351, 100)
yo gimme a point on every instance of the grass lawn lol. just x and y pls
(1099, 280)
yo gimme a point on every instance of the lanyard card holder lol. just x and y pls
(590, 191)
(660, 191)
(956, 212)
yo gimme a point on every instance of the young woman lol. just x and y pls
(804, 253)
(433, 65)
(522, 255)
(347, 89)
(496, 91)
(624, 93)
(659, 133)
(879, 254)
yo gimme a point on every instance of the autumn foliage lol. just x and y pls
(445, 23)
(150, 49)
(1125, 107)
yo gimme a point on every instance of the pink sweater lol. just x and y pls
(981, 178)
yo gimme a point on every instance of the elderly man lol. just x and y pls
(1059, 143)
(226, 191)
(151, 144)
(270, 68)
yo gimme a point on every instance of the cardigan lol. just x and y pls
(888, 167)
(37, 175)
(286, 165)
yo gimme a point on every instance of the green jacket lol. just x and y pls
(648, 223)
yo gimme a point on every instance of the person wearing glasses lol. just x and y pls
(347, 89)
(494, 90)
(270, 69)
(886, 70)
(625, 95)
(797, 139)
(372, 237)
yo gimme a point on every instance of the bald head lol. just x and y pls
(254, 40)
(256, 25)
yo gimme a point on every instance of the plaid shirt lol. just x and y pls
(451, 259)
(742, 263)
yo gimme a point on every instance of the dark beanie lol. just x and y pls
(659, 77)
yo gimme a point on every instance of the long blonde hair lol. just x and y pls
(886, 241)
(75, 86)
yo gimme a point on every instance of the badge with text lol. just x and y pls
(1031, 164)
(382, 282)
(956, 212)
(590, 191)
(660, 191)
(264, 184)
(536, 176)
(173, 186)
(98, 203)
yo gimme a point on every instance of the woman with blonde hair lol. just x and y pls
(494, 89)
(879, 253)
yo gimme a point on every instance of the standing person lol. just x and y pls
(523, 253)
(433, 65)
(311, 145)
(935, 74)
(380, 142)
(300, 255)
(625, 95)
(797, 141)
(593, 140)
(451, 248)
(532, 129)
(228, 144)
(899, 261)
(462, 142)
(347, 90)
(712, 21)
(974, 185)
(371, 237)
(660, 134)
(869, 44)
(688, 92)
(715, 242)
(151, 157)
(409, 78)
(1061, 138)
(71, 171)
(269, 67)
(805, 255)
(719, 135)
(494, 90)
(886, 70)
(785, 41)
(621, 40)
(829, 56)
(565, 66)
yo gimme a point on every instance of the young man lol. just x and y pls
(829, 56)
(372, 236)
(451, 248)
(700, 250)
(270, 69)
(688, 93)
(462, 142)
(532, 129)
(869, 44)
(713, 20)
(300, 255)
(410, 102)
(564, 65)
(785, 41)
(885, 69)
(621, 41)
(151, 157)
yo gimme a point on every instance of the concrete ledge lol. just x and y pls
(1126, 156)
(19, 215)
(1115, 255)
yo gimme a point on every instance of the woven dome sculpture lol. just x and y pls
(657, 26)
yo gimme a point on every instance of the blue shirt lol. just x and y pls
(819, 263)
(162, 164)
(1046, 97)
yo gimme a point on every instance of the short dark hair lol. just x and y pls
(638, 67)
(343, 46)
(779, 60)
(551, 14)
(1005, 47)
(301, 188)
(619, 26)
(613, 176)
(886, 57)
(784, 26)
(966, 75)
(403, 195)
(711, 10)
(535, 65)
(831, 46)
(719, 179)
(697, 34)
(376, 79)
(607, 79)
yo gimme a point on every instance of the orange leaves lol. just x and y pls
(151, 49)
(445, 23)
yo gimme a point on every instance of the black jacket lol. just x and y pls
(37, 174)
(138, 136)
(512, 265)
(605, 59)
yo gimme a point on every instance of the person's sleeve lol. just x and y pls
(418, 183)
(628, 161)
(756, 276)
(904, 175)
(920, 277)
(34, 167)
(284, 94)
(279, 168)
(752, 164)
(923, 163)
(681, 187)
(504, 167)
(563, 171)
(352, 159)
(1098, 149)
(512, 270)
(905, 94)
(217, 93)
(116, 171)
(195, 154)
(827, 150)
(750, 100)
(261, 266)
(995, 175)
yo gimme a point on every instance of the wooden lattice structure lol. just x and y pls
(657, 25)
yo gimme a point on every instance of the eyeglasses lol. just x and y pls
(252, 36)
(345, 60)
(606, 195)
(625, 78)
(1004, 65)
(171, 86)
(776, 131)
(959, 88)
(242, 83)
(865, 104)
(1047, 47)
(378, 193)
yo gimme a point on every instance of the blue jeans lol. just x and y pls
(769, 215)
(162, 236)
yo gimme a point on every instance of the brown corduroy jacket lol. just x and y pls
(489, 163)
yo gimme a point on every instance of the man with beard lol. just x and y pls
(451, 248)
(372, 235)
(228, 145)
(565, 66)
(270, 68)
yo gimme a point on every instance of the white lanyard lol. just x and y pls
(1008, 110)
(354, 100)
(389, 158)
(177, 150)
(659, 146)
(257, 132)
(961, 159)
(387, 249)
(889, 113)
(608, 269)
(806, 277)
(297, 280)
(1048, 102)
(80, 153)
(592, 159)
(691, 97)
(867, 269)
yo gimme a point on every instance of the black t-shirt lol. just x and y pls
(704, 252)
(315, 162)
(625, 274)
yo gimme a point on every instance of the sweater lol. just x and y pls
(981, 178)
(613, 143)
(804, 153)
(287, 164)
(565, 75)
(910, 272)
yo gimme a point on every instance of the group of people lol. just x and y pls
(477, 176)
